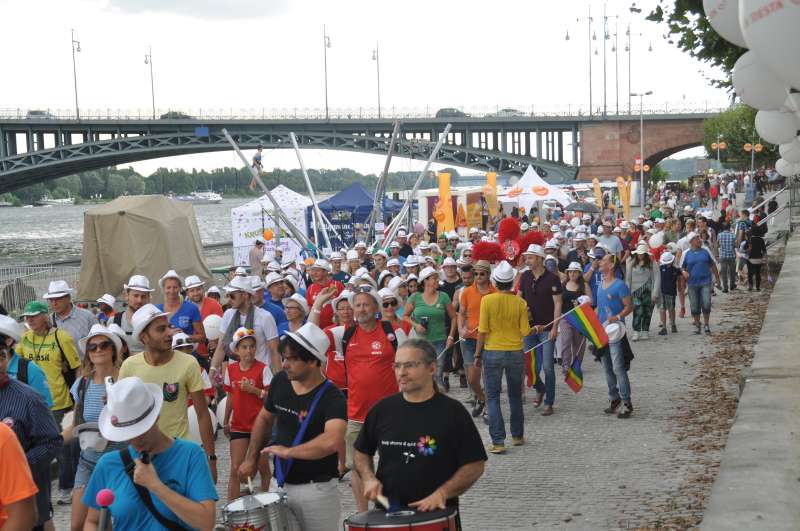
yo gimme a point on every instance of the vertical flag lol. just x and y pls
(598, 193)
(574, 377)
(490, 193)
(445, 203)
(533, 363)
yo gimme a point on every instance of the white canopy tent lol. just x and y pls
(532, 188)
(249, 221)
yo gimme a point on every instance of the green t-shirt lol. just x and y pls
(435, 314)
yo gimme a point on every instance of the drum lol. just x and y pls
(446, 520)
(267, 512)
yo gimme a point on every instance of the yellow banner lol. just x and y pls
(445, 204)
(490, 193)
(474, 209)
(628, 198)
(598, 193)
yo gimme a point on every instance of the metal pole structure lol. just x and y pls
(377, 58)
(76, 47)
(377, 205)
(296, 233)
(148, 59)
(641, 95)
(616, 61)
(605, 38)
(310, 191)
(326, 43)
(589, 27)
(395, 225)
(628, 49)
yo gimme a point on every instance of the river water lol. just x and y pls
(48, 234)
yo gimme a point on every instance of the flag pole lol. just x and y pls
(319, 220)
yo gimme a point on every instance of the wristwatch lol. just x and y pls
(212, 457)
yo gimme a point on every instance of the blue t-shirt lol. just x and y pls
(609, 300)
(36, 377)
(698, 263)
(185, 317)
(669, 279)
(183, 468)
(276, 311)
(597, 277)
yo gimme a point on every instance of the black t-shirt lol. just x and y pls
(406, 250)
(290, 408)
(450, 287)
(420, 445)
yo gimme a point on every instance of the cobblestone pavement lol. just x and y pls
(580, 468)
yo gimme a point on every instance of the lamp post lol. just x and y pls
(326, 43)
(641, 96)
(377, 58)
(588, 20)
(76, 47)
(606, 37)
(148, 59)
(719, 145)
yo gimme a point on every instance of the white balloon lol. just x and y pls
(791, 151)
(723, 15)
(771, 30)
(212, 325)
(221, 411)
(792, 103)
(194, 426)
(777, 127)
(757, 85)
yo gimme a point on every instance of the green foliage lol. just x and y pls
(737, 127)
(689, 30)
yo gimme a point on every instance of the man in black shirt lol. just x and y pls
(430, 458)
(298, 395)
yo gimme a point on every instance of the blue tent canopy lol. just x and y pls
(348, 211)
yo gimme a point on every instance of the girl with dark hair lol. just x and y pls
(569, 342)
(756, 254)
(643, 277)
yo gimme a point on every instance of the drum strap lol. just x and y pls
(144, 494)
(282, 466)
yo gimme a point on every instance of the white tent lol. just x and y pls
(249, 221)
(532, 188)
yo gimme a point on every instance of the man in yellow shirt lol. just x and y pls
(176, 373)
(53, 350)
(502, 325)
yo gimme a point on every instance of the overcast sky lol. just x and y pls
(253, 54)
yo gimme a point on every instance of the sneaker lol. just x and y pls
(644, 335)
(478, 409)
(612, 406)
(697, 330)
(64, 497)
(663, 331)
(674, 329)
(625, 411)
(497, 448)
(517, 441)
(707, 330)
(462, 381)
(547, 411)
(635, 336)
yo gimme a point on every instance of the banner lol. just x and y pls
(474, 210)
(445, 204)
(490, 193)
(627, 203)
(598, 193)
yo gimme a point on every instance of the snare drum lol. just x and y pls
(446, 520)
(270, 514)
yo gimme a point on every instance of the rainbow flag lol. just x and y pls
(587, 324)
(574, 377)
(533, 363)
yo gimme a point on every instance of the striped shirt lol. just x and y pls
(727, 245)
(93, 401)
(77, 324)
(23, 410)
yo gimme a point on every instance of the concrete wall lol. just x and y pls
(758, 486)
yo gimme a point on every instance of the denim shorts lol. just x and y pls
(667, 302)
(468, 351)
(84, 472)
(700, 298)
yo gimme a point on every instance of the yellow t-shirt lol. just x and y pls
(177, 378)
(45, 352)
(504, 318)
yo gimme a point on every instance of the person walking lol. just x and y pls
(503, 323)
(18, 368)
(254, 258)
(65, 315)
(570, 344)
(669, 289)
(727, 257)
(643, 277)
(468, 321)
(698, 268)
(756, 253)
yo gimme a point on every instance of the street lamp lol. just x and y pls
(326, 43)
(148, 59)
(641, 96)
(629, 49)
(607, 37)
(76, 47)
(588, 20)
(719, 145)
(377, 58)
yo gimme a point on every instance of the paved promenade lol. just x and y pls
(581, 469)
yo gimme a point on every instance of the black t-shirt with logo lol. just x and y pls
(290, 410)
(420, 445)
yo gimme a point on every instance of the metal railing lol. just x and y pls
(486, 112)
(20, 284)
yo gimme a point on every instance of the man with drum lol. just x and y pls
(311, 416)
(430, 458)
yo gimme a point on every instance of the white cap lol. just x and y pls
(321, 263)
(193, 281)
(503, 272)
(58, 289)
(535, 249)
(352, 254)
(107, 299)
(9, 327)
(138, 283)
(143, 317)
(313, 339)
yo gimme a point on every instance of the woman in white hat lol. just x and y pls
(296, 308)
(102, 360)
(390, 304)
(643, 276)
(183, 314)
(575, 290)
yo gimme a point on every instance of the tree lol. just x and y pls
(689, 29)
(135, 185)
(656, 176)
(116, 185)
(737, 127)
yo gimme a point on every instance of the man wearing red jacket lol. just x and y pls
(321, 278)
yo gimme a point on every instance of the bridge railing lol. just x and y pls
(488, 112)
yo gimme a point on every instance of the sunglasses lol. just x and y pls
(389, 304)
(91, 347)
(481, 274)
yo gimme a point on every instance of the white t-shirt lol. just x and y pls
(263, 325)
(731, 188)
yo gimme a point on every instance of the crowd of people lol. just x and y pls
(322, 363)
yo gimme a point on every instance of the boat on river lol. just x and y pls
(46, 200)
(205, 197)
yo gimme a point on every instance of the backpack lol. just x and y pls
(350, 331)
(22, 370)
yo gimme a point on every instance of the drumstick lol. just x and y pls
(383, 500)
(250, 484)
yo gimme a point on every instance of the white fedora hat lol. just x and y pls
(57, 289)
(181, 340)
(143, 317)
(503, 272)
(138, 283)
(299, 300)
(101, 330)
(427, 272)
(273, 278)
(321, 263)
(107, 298)
(132, 408)
(238, 283)
(9, 327)
(312, 338)
(170, 274)
(615, 331)
(193, 281)
(119, 332)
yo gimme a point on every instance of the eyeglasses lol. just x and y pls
(406, 365)
(481, 274)
(389, 304)
(91, 347)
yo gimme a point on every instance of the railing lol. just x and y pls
(486, 112)
(20, 284)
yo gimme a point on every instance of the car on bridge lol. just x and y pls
(175, 115)
(506, 113)
(39, 115)
(450, 112)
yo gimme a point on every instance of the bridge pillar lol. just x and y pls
(29, 140)
(560, 146)
(39, 141)
(574, 144)
(503, 141)
(12, 144)
(539, 144)
(2, 144)
(468, 138)
(527, 143)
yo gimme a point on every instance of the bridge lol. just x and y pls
(39, 146)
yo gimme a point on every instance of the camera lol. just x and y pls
(424, 321)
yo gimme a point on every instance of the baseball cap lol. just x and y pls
(34, 308)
